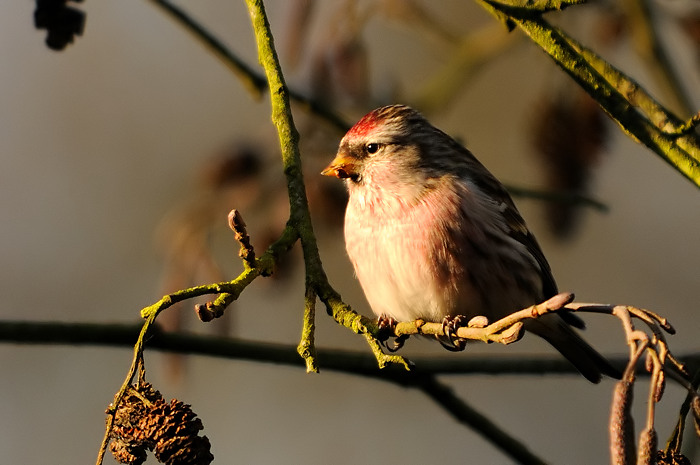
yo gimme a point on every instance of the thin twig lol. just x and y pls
(136, 364)
(673, 445)
(253, 80)
(558, 197)
(648, 45)
(226, 292)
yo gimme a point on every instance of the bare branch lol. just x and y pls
(255, 82)
(605, 84)
(647, 43)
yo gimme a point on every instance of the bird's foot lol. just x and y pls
(450, 340)
(387, 327)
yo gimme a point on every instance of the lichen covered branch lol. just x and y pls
(620, 96)
(300, 217)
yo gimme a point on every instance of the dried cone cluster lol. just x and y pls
(145, 421)
(670, 458)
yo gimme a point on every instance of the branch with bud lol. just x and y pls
(665, 134)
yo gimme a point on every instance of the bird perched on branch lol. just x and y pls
(432, 234)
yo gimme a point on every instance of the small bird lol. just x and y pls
(432, 234)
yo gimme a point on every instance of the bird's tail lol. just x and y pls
(557, 332)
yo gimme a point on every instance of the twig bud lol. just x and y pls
(559, 300)
(478, 321)
(237, 225)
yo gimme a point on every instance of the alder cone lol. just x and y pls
(145, 421)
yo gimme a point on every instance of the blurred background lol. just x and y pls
(122, 155)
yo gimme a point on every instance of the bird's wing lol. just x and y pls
(516, 227)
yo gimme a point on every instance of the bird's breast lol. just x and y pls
(401, 254)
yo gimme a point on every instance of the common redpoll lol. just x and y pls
(432, 233)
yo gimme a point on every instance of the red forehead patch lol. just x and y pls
(365, 125)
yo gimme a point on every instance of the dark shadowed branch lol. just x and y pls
(252, 79)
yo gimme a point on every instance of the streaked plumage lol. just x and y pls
(431, 233)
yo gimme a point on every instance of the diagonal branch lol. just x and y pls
(255, 83)
(607, 86)
(252, 80)
(465, 414)
(356, 363)
(647, 42)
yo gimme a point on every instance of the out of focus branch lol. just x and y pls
(637, 113)
(254, 81)
(558, 197)
(344, 361)
(648, 46)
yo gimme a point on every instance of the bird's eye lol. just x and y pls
(372, 147)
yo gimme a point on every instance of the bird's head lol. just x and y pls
(380, 148)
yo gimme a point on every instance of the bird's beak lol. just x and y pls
(343, 166)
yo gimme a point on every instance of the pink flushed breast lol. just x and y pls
(399, 253)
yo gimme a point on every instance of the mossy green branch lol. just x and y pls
(226, 293)
(607, 86)
(299, 216)
(232, 288)
(136, 365)
(346, 316)
(307, 346)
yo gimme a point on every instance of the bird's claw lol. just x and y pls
(450, 340)
(387, 326)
